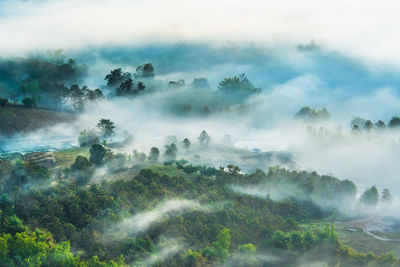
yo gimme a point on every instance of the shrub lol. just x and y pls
(97, 153)
(87, 138)
(3, 101)
(29, 102)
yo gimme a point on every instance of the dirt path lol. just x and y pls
(363, 225)
(375, 236)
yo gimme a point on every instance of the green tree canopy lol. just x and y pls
(106, 127)
(370, 197)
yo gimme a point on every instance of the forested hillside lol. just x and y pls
(170, 214)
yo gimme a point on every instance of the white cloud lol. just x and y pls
(364, 28)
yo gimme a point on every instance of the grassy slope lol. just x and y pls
(359, 240)
(65, 158)
(365, 243)
(15, 119)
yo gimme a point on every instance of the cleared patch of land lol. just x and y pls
(18, 119)
(364, 242)
(354, 236)
(65, 158)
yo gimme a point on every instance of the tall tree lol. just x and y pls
(368, 125)
(154, 154)
(170, 152)
(141, 86)
(237, 84)
(222, 244)
(97, 153)
(204, 138)
(380, 124)
(186, 143)
(106, 127)
(386, 196)
(126, 88)
(114, 78)
(394, 122)
(370, 197)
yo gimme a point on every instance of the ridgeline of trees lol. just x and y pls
(238, 84)
(358, 124)
(52, 81)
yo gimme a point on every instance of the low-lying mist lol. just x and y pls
(166, 249)
(289, 79)
(139, 222)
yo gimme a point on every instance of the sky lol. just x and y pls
(365, 29)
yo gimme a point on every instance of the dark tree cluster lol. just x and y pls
(204, 138)
(358, 124)
(3, 101)
(176, 84)
(200, 83)
(75, 97)
(106, 128)
(370, 197)
(29, 102)
(145, 71)
(123, 83)
(170, 152)
(237, 84)
(309, 114)
(39, 77)
(154, 154)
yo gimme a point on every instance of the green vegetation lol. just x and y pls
(65, 158)
(123, 83)
(3, 101)
(238, 84)
(309, 114)
(41, 77)
(358, 124)
(106, 128)
(204, 138)
(370, 197)
(154, 154)
(394, 122)
(29, 102)
(88, 138)
(68, 219)
(97, 153)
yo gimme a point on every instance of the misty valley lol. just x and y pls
(195, 155)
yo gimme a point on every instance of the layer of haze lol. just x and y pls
(143, 220)
(367, 29)
(290, 79)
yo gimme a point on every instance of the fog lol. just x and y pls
(41, 24)
(143, 220)
(166, 249)
(290, 78)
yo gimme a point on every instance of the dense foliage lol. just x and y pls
(88, 223)
(41, 77)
